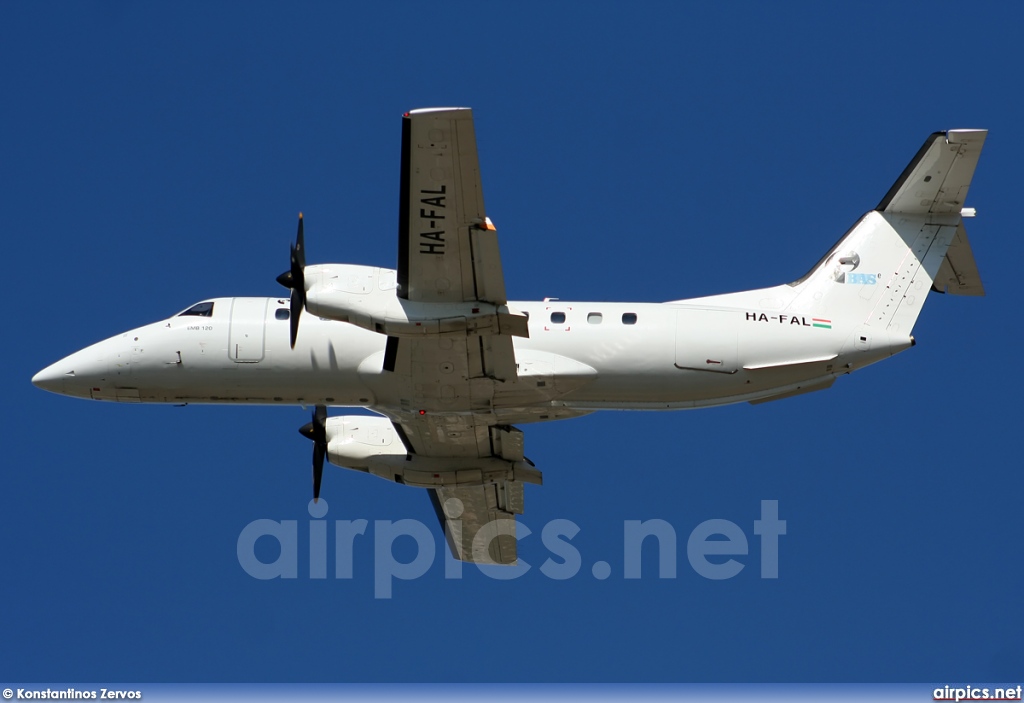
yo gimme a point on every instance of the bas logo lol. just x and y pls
(844, 271)
(868, 279)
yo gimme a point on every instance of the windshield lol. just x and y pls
(199, 310)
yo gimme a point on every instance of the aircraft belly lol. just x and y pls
(693, 389)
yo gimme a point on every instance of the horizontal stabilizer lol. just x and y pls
(958, 273)
(937, 179)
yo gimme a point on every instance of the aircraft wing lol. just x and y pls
(447, 248)
(479, 524)
(480, 521)
(448, 253)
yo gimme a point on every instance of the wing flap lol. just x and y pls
(487, 272)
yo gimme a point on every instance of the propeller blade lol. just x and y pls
(320, 421)
(297, 304)
(295, 280)
(316, 430)
(300, 245)
(318, 469)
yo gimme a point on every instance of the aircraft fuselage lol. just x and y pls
(579, 357)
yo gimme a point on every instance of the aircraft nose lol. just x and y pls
(52, 378)
(77, 375)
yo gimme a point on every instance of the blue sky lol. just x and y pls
(155, 155)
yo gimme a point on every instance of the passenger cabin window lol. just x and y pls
(199, 310)
(281, 314)
(629, 318)
(594, 318)
(558, 317)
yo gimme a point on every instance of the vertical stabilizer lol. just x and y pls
(881, 271)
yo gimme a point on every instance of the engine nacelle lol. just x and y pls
(365, 296)
(354, 441)
(371, 444)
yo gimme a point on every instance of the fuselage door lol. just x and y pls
(245, 340)
(706, 340)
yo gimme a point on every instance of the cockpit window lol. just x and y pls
(199, 310)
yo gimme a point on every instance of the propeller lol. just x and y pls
(295, 279)
(316, 430)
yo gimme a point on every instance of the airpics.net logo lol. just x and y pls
(715, 549)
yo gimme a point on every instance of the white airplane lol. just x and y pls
(450, 365)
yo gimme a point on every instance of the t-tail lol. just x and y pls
(876, 278)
